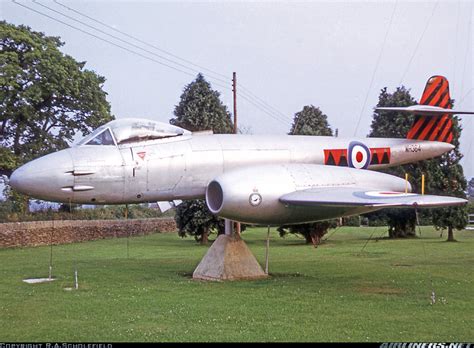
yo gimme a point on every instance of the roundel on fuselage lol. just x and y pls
(358, 155)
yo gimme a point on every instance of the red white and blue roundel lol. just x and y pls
(358, 155)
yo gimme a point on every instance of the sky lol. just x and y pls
(335, 55)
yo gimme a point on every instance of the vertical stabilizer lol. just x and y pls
(438, 127)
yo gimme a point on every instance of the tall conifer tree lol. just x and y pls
(200, 109)
(310, 121)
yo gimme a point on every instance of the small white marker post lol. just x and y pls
(267, 251)
(76, 282)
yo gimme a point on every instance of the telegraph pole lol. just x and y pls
(234, 90)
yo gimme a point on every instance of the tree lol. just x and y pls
(194, 218)
(448, 178)
(200, 109)
(444, 175)
(7, 162)
(392, 124)
(46, 97)
(312, 232)
(310, 121)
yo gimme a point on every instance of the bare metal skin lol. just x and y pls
(146, 161)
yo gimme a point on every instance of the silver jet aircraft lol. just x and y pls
(258, 179)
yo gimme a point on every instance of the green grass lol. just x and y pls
(336, 292)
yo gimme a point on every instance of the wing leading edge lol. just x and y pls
(356, 196)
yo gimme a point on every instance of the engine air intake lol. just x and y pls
(214, 197)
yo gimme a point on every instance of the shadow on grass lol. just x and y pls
(189, 275)
(369, 254)
(185, 274)
(402, 265)
(288, 275)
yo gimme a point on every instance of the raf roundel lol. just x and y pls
(358, 155)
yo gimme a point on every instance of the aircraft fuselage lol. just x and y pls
(182, 167)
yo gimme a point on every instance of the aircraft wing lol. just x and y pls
(427, 110)
(354, 196)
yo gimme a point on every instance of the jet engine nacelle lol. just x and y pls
(252, 194)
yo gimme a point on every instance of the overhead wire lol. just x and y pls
(120, 39)
(139, 40)
(419, 41)
(456, 39)
(246, 94)
(467, 52)
(242, 88)
(376, 68)
(465, 95)
(277, 115)
(469, 123)
(263, 110)
(100, 38)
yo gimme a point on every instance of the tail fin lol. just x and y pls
(439, 127)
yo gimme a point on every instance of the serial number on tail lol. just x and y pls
(413, 148)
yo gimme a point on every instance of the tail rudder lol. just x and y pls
(439, 127)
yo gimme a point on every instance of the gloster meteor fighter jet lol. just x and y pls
(259, 179)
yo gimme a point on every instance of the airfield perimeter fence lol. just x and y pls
(36, 233)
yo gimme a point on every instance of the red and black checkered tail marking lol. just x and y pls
(434, 128)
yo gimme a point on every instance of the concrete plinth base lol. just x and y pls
(228, 258)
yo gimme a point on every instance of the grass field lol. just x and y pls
(337, 292)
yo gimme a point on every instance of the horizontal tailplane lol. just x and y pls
(433, 116)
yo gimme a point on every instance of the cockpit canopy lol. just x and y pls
(131, 130)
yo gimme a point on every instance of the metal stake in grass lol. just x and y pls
(433, 294)
(128, 231)
(51, 252)
(267, 250)
(76, 282)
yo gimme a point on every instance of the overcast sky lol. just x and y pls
(334, 55)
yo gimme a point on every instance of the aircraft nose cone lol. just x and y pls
(15, 180)
(44, 177)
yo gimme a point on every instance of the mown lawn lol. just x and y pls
(337, 292)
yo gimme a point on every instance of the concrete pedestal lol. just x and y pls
(228, 258)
